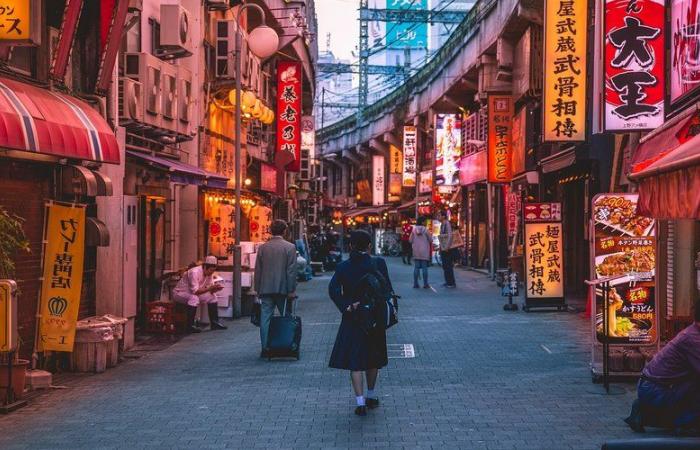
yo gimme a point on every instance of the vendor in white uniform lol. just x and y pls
(196, 287)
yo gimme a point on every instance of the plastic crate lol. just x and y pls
(165, 317)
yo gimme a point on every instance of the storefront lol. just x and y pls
(474, 210)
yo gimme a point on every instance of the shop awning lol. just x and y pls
(559, 160)
(37, 120)
(412, 204)
(180, 172)
(666, 166)
(370, 211)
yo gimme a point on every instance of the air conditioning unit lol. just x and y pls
(147, 70)
(225, 46)
(184, 102)
(130, 102)
(175, 33)
(169, 103)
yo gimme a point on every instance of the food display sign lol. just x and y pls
(500, 169)
(289, 111)
(64, 256)
(684, 44)
(544, 265)
(634, 64)
(448, 149)
(542, 212)
(410, 154)
(624, 249)
(564, 104)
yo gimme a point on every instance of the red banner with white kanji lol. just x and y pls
(289, 78)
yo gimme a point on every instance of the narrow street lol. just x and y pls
(480, 378)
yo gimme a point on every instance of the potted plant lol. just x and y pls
(12, 240)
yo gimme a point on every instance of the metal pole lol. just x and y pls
(237, 269)
(491, 234)
(606, 336)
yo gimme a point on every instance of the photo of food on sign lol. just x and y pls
(632, 256)
(631, 315)
(619, 212)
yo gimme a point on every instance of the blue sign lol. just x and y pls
(407, 34)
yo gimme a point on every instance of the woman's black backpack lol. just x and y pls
(377, 308)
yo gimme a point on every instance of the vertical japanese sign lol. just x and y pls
(378, 180)
(64, 254)
(426, 182)
(624, 248)
(564, 106)
(500, 135)
(634, 64)
(222, 227)
(289, 111)
(685, 44)
(410, 162)
(15, 20)
(8, 316)
(448, 149)
(395, 173)
(260, 219)
(544, 265)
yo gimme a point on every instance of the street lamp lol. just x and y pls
(263, 41)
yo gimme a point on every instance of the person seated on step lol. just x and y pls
(196, 286)
(669, 388)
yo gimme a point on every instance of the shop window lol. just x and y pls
(23, 60)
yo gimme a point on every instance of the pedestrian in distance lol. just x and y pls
(361, 351)
(196, 287)
(275, 278)
(406, 250)
(446, 252)
(421, 240)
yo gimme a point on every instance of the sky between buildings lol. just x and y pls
(338, 17)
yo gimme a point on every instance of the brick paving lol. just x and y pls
(480, 379)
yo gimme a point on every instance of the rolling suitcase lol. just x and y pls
(284, 337)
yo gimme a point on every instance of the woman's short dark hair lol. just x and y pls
(278, 227)
(360, 240)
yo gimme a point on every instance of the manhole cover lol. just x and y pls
(400, 351)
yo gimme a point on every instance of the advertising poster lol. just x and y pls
(685, 44)
(426, 182)
(402, 34)
(448, 149)
(64, 255)
(289, 111)
(624, 247)
(499, 140)
(564, 103)
(410, 156)
(634, 64)
(378, 180)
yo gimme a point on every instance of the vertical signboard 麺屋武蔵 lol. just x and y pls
(634, 64)
(544, 251)
(564, 96)
(289, 77)
(410, 156)
(448, 149)
(624, 251)
(64, 256)
(500, 138)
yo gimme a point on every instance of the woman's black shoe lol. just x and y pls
(372, 403)
(361, 410)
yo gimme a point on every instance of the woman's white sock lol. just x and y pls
(360, 400)
(371, 393)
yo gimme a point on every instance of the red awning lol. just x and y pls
(666, 167)
(38, 120)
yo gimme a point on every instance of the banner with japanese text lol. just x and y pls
(410, 134)
(16, 21)
(289, 77)
(378, 180)
(564, 104)
(395, 159)
(426, 182)
(683, 73)
(64, 255)
(448, 149)
(624, 250)
(500, 169)
(634, 64)
(544, 251)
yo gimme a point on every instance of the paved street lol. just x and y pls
(480, 378)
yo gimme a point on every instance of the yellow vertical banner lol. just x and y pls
(64, 252)
(564, 105)
(8, 316)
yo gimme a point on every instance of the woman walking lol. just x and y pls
(360, 351)
(422, 242)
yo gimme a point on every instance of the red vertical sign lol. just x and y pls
(289, 111)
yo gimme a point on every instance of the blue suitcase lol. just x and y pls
(284, 336)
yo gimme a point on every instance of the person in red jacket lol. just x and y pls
(406, 250)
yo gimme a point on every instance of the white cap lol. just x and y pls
(211, 260)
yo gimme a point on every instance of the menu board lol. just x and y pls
(624, 247)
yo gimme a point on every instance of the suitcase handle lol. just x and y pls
(294, 305)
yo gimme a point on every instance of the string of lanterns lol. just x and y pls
(252, 107)
(229, 199)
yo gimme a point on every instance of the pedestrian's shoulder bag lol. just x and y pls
(378, 304)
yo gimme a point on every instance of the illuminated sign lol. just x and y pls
(544, 250)
(448, 149)
(564, 104)
(684, 44)
(500, 130)
(378, 180)
(410, 154)
(289, 111)
(426, 182)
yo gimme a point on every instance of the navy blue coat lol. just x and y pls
(354, 349)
